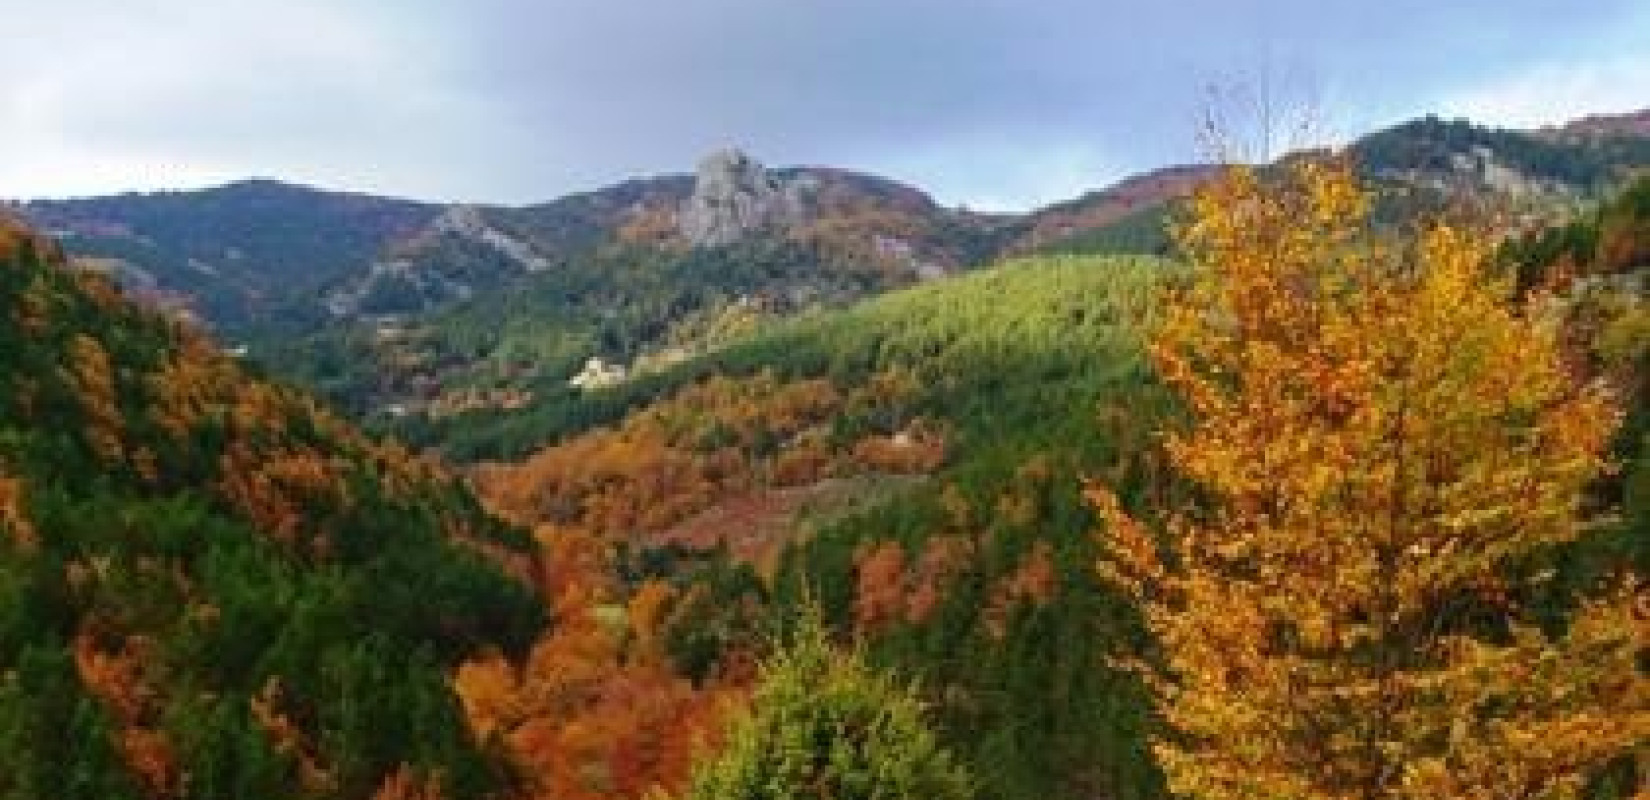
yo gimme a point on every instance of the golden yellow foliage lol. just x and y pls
(1378, 433)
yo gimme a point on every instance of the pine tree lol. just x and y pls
(823, 724)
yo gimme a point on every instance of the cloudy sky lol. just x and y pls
(990, 103)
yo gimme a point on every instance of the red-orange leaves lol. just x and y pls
(281, 491)
(268, 709)
(595, 712)
(890, 588)
(879, 598)
(116, 678)
(942, 559)
(149, 755)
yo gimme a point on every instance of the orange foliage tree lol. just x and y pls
(14, 520)
(890, 588)
(116, 677)
(1378, 435)
(596, 710)
(94, 384)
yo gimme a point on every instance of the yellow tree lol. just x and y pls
(1378, 435)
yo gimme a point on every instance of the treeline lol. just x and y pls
(1432, 144)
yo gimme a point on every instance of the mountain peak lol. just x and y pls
(733, 194)
(726, 160)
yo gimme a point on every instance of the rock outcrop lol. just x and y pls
(734, 195)
(467, 222)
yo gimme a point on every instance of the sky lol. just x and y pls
(992, 104)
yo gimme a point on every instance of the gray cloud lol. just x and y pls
(992, 102)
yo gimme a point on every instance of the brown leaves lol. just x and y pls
(879, 597)
(911, 452)
(14, 518)
(1034, 582)
(406, 784)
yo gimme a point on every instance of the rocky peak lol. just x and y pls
(733, 195)
(461, 220)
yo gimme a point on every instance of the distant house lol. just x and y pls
(598, 374)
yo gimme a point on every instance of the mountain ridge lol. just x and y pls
(394, 305)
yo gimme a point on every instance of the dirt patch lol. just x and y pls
(756, 526)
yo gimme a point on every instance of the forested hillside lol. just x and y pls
(251, 253)
(219, 589)
(507, 348)
(912, 465)
(210, 587)
(1599, 264)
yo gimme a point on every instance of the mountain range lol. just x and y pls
(400, 308)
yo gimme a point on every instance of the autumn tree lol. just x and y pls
(1379, 437)
(94, 384)
(14, 519)
(596, 710)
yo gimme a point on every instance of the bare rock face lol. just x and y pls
(467, 222)
(734, 195)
